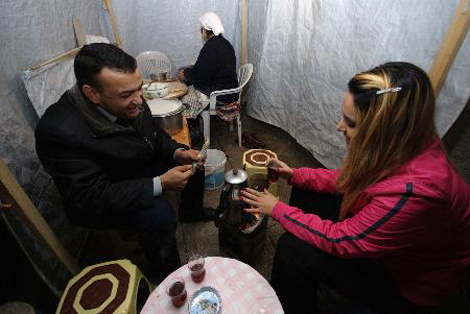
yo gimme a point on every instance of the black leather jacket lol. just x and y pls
(101, 168)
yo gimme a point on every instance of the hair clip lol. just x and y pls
(388, 90)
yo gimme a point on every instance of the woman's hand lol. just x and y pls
(281, 168)
(261, 202)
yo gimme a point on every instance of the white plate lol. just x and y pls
(160, 107)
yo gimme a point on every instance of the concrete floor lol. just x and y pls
(203, 237)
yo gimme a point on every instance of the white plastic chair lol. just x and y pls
(244, 74)
(153, 62)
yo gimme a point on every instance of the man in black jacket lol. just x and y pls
(108, 158)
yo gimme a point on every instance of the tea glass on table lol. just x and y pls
(176, 290)
(196, 267)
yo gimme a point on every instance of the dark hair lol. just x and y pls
(404, 74)
(394, 126)
(92, 58)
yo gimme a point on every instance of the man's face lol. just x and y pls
(120, 94)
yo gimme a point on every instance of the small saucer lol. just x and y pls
(206, 300)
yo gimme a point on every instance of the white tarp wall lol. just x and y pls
(172, 26)
(305, 52)
(32, 32)
(36, 31)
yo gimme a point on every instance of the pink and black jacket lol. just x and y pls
(416, 224)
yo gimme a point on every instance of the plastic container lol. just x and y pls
(214, 169)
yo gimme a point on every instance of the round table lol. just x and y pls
(242, 289)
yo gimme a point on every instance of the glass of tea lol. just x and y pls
(176, 290)
(196, 266)
(273, 175)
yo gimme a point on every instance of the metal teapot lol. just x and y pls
(231, 207)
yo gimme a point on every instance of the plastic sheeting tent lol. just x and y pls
(303, 65)
(304, 53)
(33, 32)
(36, 31)
(173, 26)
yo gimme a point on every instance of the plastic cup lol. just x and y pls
(176, 290)
(196, 266)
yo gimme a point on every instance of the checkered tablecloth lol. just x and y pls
(242, 289)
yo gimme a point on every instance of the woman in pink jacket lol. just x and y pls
(398, 240)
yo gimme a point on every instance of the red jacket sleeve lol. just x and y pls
(389, 222)
(319, 180)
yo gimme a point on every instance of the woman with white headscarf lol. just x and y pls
(215, 68)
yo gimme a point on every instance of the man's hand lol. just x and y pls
(186, 157)
(281, 168)
(176, 178)
(261, 202)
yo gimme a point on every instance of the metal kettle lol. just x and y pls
(231, 207)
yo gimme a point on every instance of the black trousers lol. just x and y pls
(156, 227)
(299, 267)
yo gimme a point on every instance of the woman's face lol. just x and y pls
(203, 35)
(348, 123)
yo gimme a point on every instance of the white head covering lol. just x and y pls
(211, 22)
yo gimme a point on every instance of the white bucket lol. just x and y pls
(214, 169)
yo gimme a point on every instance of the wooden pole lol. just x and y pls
(62, 57)
(450, 46)
(243, 53)
(112, 17)
(79, 34)
(14, 198)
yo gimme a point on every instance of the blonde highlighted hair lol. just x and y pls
(393, 127)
